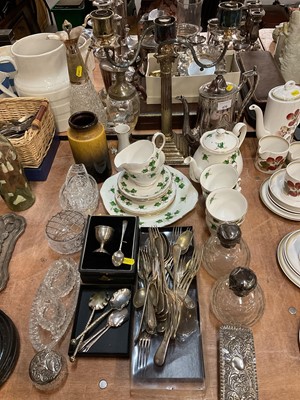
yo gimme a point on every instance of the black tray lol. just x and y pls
(184, 366)
(9, 347)
(116, 341)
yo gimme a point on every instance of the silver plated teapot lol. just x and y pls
(218, 105)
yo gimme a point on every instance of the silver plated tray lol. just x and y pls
(238, 379)
(11, 227)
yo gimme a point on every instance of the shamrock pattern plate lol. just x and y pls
(185, 200)
(144, 193)
(149, 207)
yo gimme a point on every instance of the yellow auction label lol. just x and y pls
(128, 261)
(295, 92)
(229, 87)
(79, 71)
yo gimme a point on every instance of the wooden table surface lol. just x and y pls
(275, 335)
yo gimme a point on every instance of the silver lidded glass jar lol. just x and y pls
(237, 298)
(225, 250)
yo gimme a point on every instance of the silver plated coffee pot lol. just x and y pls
(219, 104)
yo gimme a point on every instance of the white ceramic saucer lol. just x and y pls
(144, 193)
(272, 206)
(291, 275)
(276, 182)
(185, 200)
(150, 207)
(292, 251)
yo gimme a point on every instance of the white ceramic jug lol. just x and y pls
(42, 72)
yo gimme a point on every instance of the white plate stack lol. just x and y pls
(288, 255)
(273, 196)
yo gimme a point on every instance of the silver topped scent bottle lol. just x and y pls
(225, 250)
(237, 298)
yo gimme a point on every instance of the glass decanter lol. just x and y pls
(225, 250)
(123, 102)
(83, 95)
(237, 298)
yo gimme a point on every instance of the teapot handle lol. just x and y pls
(240, 130)
(155, 136)
(245, 76)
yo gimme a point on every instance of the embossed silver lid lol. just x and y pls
(45, 367)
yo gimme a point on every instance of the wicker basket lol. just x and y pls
(34, 144)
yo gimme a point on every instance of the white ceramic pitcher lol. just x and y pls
(42, 72)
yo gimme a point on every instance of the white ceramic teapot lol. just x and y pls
(282, 113)
(218, 146)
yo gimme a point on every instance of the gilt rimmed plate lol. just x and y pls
(185, 200)
(272, 206)
(292, 251)
(149, 207)
(290, 274)
(276, 183)
(144, 193)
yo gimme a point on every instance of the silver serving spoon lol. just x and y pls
(98, 301)
(118, 301)
(115, 319)
(118, 256)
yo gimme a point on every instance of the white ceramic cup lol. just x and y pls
(271, 153)
(291, 185)
(294, 152)
(225, 205)
(218, 176)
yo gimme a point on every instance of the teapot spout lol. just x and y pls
(260, 128)
(194, 170)
(191, 135)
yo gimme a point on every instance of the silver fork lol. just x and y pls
(143, 350)
(176, 231)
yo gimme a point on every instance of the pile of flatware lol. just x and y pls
(166, 274)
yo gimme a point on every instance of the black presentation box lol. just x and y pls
(97, 267)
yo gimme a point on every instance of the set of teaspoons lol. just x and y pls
(166, 273)
(117, 314)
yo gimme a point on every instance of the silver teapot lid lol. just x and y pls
(218, 86)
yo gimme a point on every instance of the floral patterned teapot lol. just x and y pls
(218, 146)
(282, 113)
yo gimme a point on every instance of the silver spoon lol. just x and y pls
(184, 240)
(118, 301)
(115, 319)
(97, 302)
(139, 297)
(118, 256)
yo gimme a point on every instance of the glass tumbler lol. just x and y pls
(189, 17)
